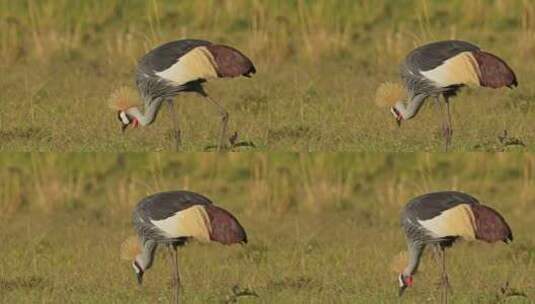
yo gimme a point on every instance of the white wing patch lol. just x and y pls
(460, 69)
(196, 64)
(192, 222)
(457, 221)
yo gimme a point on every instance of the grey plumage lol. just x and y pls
(430, 205)
(428, 57)
(160, 206)
(168, 203)
(166, 54)
(152, 87)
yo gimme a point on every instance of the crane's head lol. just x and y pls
(124, 101)
(130, 250)
(404, 282)
(391, 95)
(126, 120)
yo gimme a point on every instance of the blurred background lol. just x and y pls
(319, 63)
(323, 228)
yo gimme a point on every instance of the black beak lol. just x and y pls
(398, 121)
(401, 290)
(123, 128)
(140, 278)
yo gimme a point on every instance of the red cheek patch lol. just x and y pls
(408, 281)
(136, 123)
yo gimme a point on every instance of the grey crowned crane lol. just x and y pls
(175, 67)
(439, 219)
(173, 218)
(441, 69)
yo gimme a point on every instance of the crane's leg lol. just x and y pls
(177, 277)
(449, 129)
(445, 281)
(176, 126)
(173, 259)
(224, 123)
(444, 123)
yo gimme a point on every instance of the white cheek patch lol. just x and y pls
(394, 112)
(135, 268)
(124, 118)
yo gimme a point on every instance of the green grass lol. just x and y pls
(319, 63)
(323, 228)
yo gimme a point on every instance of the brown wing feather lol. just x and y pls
(490, 225)
(494, 72)
(225, 227)
(231, 62)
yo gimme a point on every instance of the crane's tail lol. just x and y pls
(490, 225)
(130, 248)
(389, 93)
(225, 227)
(123, 98)
(493, 71)
(230, 62)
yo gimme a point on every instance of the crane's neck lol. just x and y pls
(150, 112)
(146, 256)
(411, 107)
(415, 253)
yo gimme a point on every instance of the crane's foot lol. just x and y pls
(233, 144)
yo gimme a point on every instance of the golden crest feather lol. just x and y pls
(123, 98)
(389, 93)
(130, 248)
(399, 262)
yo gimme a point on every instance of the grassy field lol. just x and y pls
(319, 63)
(323, 228)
